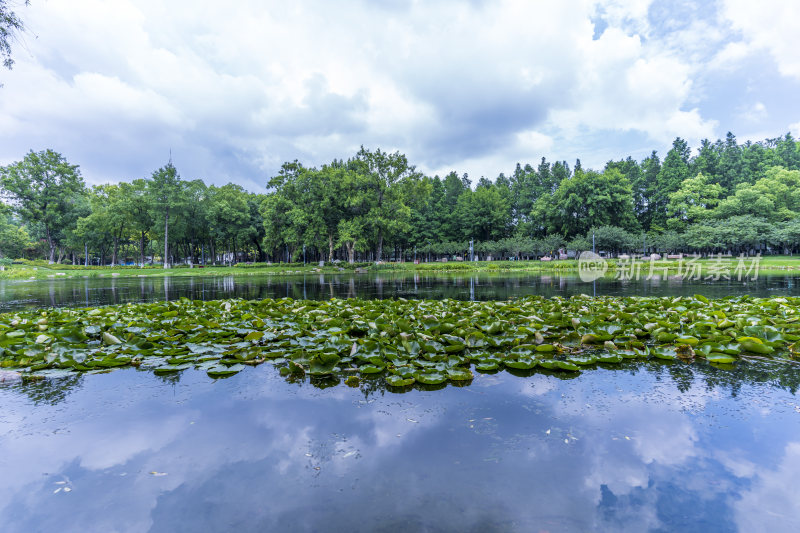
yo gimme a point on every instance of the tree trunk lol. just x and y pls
(380, 246)
(114, 252)
(85, 254)
(260, 251)
(166, 239)
(330, 248)
(351, 252)
(141, 249)
(51, 244)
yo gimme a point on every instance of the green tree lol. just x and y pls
(588, 199)
(381, 175)
(674, 170)
(730, 164)
(484, 213)
(14, 238)
(135, 203)
(612, 239)
(44, 189)
(775, 197)
(10, 26)
(164, 189)
(692, 202)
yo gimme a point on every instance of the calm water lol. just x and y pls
(103, 291)
(645, 447)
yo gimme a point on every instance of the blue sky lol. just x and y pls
(236, 89)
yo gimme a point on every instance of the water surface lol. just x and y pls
(643, 447)
(85, 292)
(649, 447)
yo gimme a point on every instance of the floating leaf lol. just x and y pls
(398, 381)
(720, 358)
(254, 336)
(224, 371)
(430, 378)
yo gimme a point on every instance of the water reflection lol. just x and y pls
(103, 291)
(648, 447)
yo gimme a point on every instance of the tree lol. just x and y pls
(454, 187)
(381, 175)
(135, 203)
(44, 189)
(351, 236)
(651, 167)
(776, 197)
(612, 238)
(580, 244)
(730, 164)
(587, 199)
(164, 189)
(229, 214)
(10, 25)
(674, 170)
(14, 239)
(692, 202)
(484, 213)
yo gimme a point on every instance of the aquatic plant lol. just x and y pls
(406, 341)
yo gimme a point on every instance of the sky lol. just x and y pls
(234, 89)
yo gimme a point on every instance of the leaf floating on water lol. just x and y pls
(108, 338)
(399, 381)
(401, 342)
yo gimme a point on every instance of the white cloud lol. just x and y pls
(771, 27)
(236, 90)
(771, 504)
(754, 113)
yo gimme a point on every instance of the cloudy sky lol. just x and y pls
(236, 88)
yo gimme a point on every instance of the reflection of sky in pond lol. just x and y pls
(651, 447)
(15, 294)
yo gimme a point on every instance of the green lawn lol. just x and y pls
(777, 263)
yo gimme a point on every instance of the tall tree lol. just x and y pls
(44, 189)
(730, 164)
(165, 187)
(692, 202)
(588, 199)
(674, 170)
(381, 175)
(136, 205)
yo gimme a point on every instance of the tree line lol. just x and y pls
(377, 206)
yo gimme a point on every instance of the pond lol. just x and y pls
(87, 292)
(648, 447)
(641, 446)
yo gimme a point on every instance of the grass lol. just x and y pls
(768, 264)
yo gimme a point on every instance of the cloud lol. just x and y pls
(234, 91)
(772, 28)
(770, 504)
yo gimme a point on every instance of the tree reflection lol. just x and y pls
(49, 391)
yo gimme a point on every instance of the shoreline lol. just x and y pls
(768, 265)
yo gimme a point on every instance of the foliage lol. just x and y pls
(376, 207)
(44, 190)
(422, 341)
(10, 25)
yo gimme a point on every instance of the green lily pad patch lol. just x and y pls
(401, 342)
